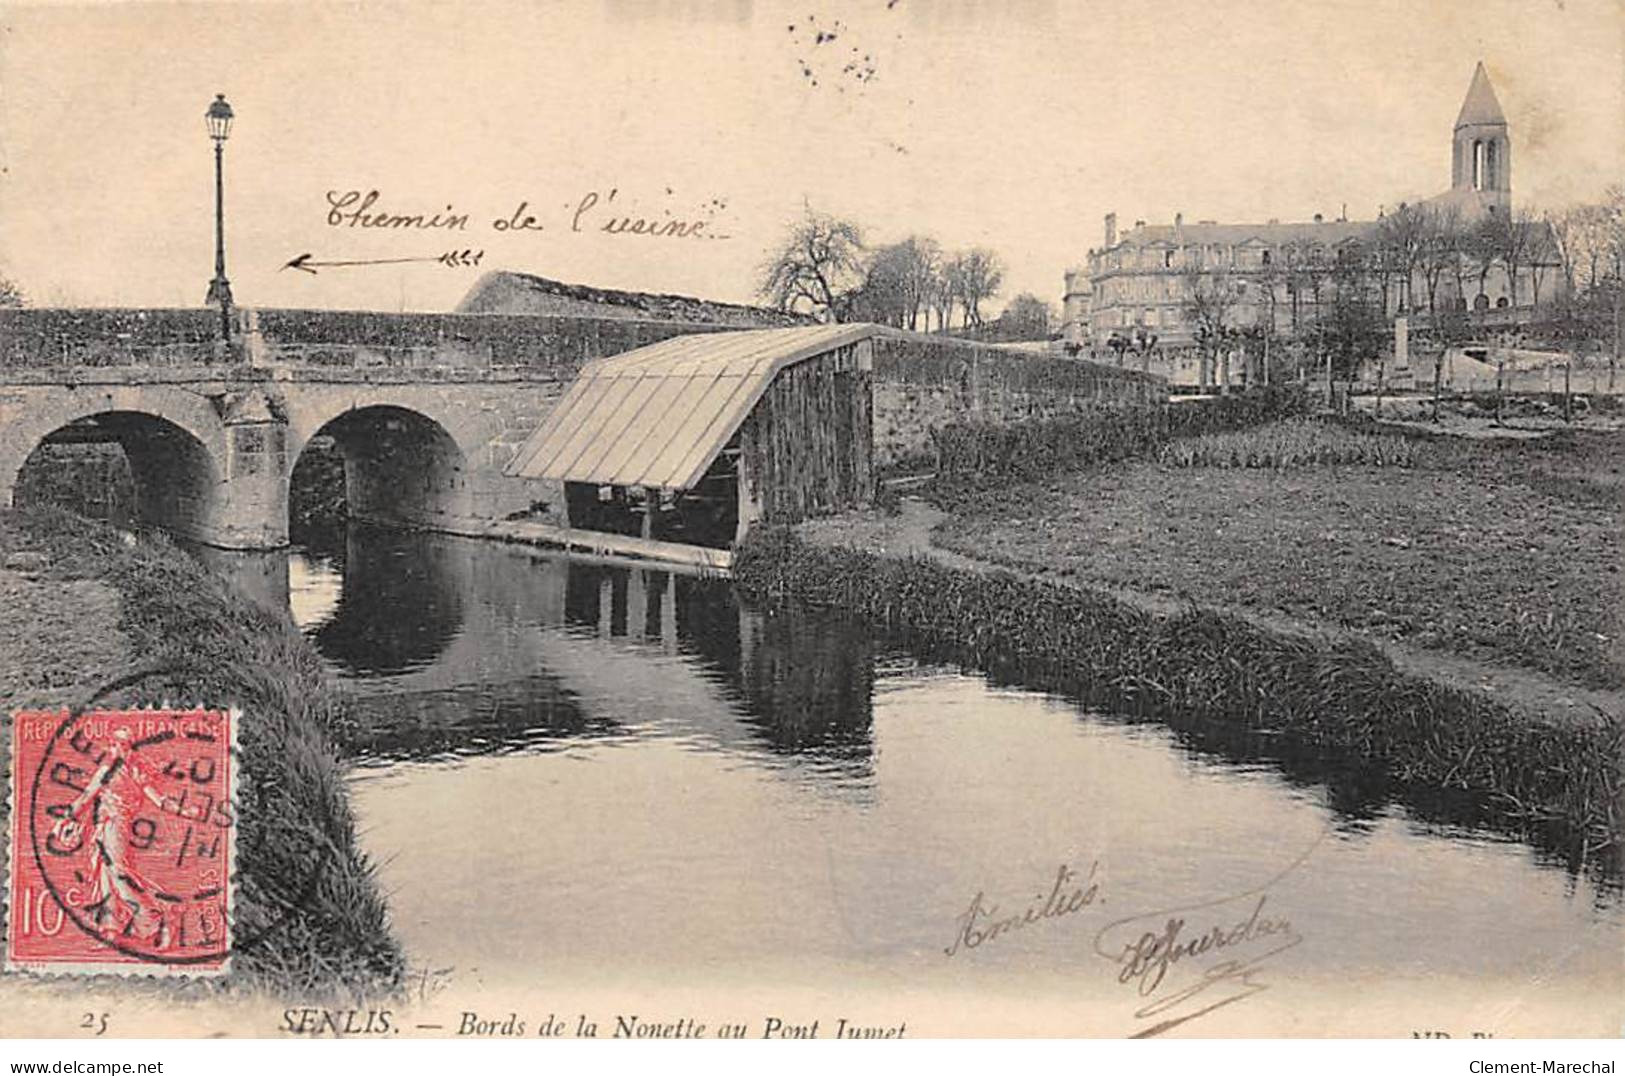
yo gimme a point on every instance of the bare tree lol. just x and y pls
(900, 284)
(944, 296)
(881, 297)
(1508, 237)
(1581, 234)
(1296, 255)
(977, 275)
(10, 294)
(1210, 300)
(817, 268)
(922, 263)
(1400, 239)
(1441, 251)
(1483, 246)
(1543, 251)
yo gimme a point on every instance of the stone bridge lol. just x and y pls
(426, 409)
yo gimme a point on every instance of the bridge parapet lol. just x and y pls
(54, 338)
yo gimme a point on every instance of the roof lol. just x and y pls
(1329, 232)
(1480, 106)
(504, 292)
(659, 415)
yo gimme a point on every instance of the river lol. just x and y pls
(598, 786)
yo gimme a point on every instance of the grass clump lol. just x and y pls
(1299, 442)
(310, 918)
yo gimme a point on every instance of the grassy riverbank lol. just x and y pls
(1554, 780)
(99, 609)
(1503, 552)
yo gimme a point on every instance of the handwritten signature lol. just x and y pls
(981, 923)
(1160, 953)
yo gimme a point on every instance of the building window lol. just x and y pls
(1478, 164)
(1167, 259)
(1264, 258)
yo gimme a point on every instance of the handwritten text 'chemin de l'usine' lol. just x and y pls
(603, 213)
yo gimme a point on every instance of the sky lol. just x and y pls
(1013, 125)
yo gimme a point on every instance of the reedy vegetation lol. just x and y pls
(305, 888)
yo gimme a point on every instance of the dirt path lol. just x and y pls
(908, 533)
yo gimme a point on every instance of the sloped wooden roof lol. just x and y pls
(659, 415)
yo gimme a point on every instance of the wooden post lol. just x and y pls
(668, 615)
(1500, 387)
(1331, 397)
(651, 501)
(1382, 368)
(750, 507)
(1568, 399)
(637, 603)
(1438, 375)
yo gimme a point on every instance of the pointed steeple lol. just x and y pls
(1480, 107)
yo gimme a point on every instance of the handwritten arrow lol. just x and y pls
(450, 259)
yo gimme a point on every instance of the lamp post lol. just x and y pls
(219, 120)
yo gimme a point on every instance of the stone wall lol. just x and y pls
(922, 383)
(105, 337)
(53, 338)
(558, 345)
(522, 293)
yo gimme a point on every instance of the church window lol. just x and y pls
(1478, 164)
(1489, 165)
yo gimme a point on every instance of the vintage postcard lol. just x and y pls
(862, 520)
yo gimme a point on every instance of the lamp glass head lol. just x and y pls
(219, 118)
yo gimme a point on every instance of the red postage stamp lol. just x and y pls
(122, 842)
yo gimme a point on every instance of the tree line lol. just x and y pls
(1426, 258)
(824, 267)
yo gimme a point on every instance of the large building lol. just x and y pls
(1138, 282)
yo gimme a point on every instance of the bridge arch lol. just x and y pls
(174, 442)
(400, 465)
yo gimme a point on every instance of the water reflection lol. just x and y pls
(850, 790)
(453, 647)
(456, 648)
(401, 601)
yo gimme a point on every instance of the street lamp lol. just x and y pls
(219, 120)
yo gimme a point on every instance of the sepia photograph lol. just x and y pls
(861, 519)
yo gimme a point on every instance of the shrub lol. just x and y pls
(1293, 443)
(977, 455)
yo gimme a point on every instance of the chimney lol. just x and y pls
(1111, 230)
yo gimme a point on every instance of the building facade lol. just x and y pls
(1279, 275)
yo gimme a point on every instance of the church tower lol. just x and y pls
(1481, 155)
